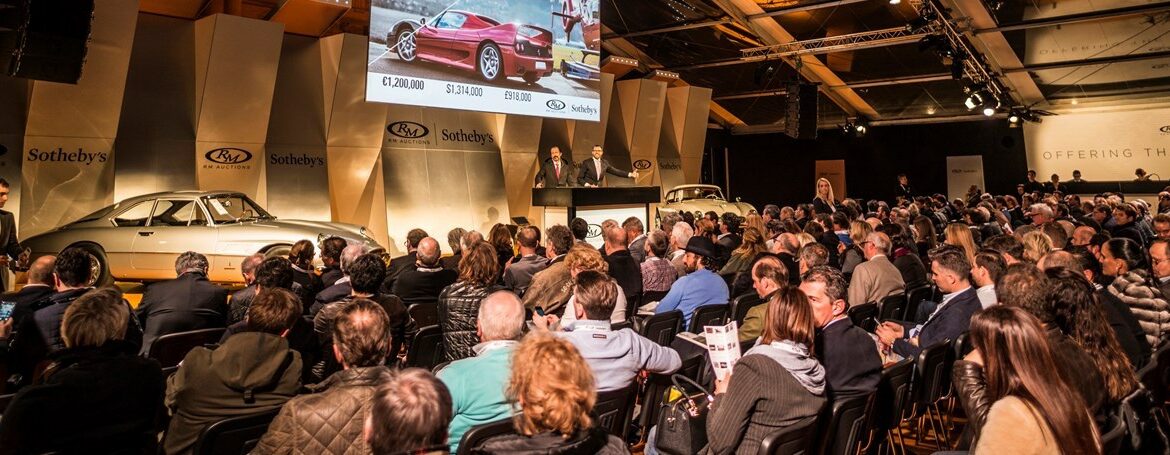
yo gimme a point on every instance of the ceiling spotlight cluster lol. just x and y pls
(856, 127)
(985, 93)
(1019, 115)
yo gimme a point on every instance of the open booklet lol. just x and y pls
(722, 343)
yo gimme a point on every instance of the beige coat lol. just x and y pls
(874, 280)
(1015, 427)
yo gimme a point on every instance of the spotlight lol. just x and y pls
(975, 99)
(895, 2)
(989, 111)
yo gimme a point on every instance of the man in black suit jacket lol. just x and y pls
(554, 173)
(426, 280)
(241, 300)
(729, 238)
(622, 266)
(903, 190)
(188, 302)
(950, 318)
(34, 295)
(592, 171)
(851, 361)
(331, 257)
(9, 246)
(401, 263)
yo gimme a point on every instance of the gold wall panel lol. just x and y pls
(69, 135)
(357, 192)
(684, 131)
(296, 159)
(635, 124)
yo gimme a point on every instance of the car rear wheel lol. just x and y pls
(99, 269)
(531, 78)
(277, 251)
(490, 64)
(407, 48)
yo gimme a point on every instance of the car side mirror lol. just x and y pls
(423, 21)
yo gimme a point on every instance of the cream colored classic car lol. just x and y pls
(700, 199)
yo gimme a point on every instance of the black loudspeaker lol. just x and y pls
(800, 119)
(45, 39)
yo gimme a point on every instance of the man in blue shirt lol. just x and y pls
(701, 285)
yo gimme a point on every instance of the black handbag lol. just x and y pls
(682, 424)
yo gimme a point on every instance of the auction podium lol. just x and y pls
(596, 205)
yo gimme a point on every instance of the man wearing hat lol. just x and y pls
(701, 286)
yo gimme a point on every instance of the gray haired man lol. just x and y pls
(188, 302)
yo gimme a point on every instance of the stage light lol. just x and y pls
(1013, 118)
(989, 111)
(895, 2)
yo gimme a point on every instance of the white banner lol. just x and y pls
(1104, 146)
(962, 172)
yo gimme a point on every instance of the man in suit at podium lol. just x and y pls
(9, 246)
(554, 173)
(592, 171)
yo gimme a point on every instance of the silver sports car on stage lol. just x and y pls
(139, 239)
(700, 199)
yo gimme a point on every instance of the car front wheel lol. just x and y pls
(407, 47)
(490, 64)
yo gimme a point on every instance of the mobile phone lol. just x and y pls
(539, 310)
(6, 310)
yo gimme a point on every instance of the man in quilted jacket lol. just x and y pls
(329, 420)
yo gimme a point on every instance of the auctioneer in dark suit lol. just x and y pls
(947, 322)
(850, 357)
(8, 244)
(188, 302)
(553, 173)
(590, 174)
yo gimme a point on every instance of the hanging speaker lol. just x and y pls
(45, 40)
(800, 119)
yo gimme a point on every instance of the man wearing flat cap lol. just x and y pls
(701, 285)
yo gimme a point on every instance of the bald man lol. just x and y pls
(1082, 235)
(34, 295)
(428, 278)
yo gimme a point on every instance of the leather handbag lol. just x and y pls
(682, 424)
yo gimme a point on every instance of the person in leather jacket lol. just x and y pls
(459, 302)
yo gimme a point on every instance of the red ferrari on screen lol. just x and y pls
(476, 43)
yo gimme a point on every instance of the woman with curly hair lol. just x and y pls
(553, 390)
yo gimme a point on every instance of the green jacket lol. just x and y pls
(477, 388)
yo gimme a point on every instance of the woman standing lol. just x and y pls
(824, 201)
(1033, 411)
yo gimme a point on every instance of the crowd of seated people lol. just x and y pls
(1061, 302)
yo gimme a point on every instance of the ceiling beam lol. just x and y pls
(726, 20)
(749, 14)
(995, 47)
(936, 77)
(623, 48)
(1090, 16)
(1088, 62)
(673, 28)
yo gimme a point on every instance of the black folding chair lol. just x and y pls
(844, 425)
(426, 350)
(740, 306)
(709, 315)
(893, 307)
(477, 435)
(914, 299)
(424, 314)
(234, 436)
(1112, 440)
(863, 316)
(795, 439)
(614, 408)
(889, 404)
(932, 381)
(170, 349)
(653, 296)
(661, 328)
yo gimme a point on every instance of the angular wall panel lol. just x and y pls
(296, 159)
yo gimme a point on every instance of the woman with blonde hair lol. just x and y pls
(584, 257)
(553, 390)
(959, 234)
(851, 256)
(824, 201)
(1036, 245)
(743, 257)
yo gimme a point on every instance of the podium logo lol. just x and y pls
(642, 165)
(408, 130)
(229, 155)
(555, 104)
(594, 231)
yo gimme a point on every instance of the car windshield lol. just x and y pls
(699, 193)
(234, 208)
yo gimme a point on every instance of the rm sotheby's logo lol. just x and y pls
(228, 158)
(555, 104)
(408, 130)
(1165, 129)
(642, 165)
(594, 231)
(60, 155)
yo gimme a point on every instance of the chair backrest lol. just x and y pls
(424, 314)
(653, 296)
(661, 328)
(614, 408)
(170, 349)
(426, 350)
(892, 396)
(234, 436)
(1112, 440)
(893, 307)
(863, 316)
(914, 298)
(933, 367)
(962, 345)
(846, 425)
(6, 399)
(740, 306)
(715, 314)
(475, 436)
(795, 439)
(621, 325)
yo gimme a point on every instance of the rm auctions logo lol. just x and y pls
(555, 104)
(1165, 129)
(642, 165)
(408, 130)
(228, 158)
(594, 231)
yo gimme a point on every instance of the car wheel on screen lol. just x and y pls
(99, 269)
(490, 65)
(531, 78)
(407, 48)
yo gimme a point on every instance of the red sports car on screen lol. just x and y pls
(476, 43)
